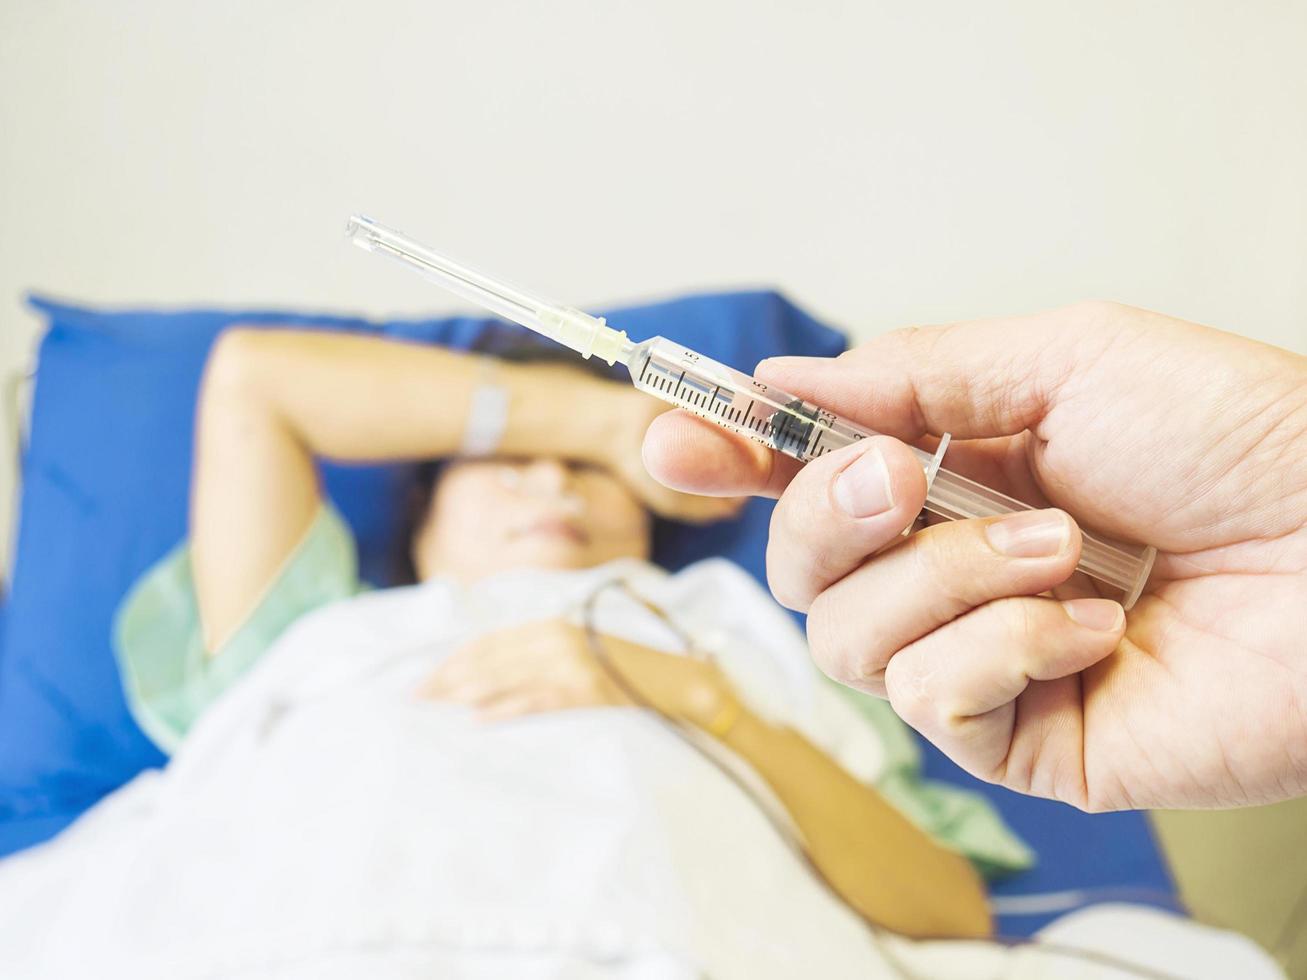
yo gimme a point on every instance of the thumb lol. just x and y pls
(976, 379)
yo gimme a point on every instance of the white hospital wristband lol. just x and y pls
(487, 416)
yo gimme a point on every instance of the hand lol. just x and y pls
(523, 670)
(560, 411)
(629, 414)
(548, 666)
(1146, 428)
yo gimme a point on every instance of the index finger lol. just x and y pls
(686, 453)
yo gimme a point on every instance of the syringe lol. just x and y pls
(732, 399)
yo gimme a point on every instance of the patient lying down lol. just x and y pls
(544, 758)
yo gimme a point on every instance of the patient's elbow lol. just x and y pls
(233, 365)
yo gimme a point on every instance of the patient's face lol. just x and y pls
(492, 515)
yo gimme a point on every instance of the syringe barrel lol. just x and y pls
(798, 428)
(1116, 563)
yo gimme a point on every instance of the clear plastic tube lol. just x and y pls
(732, 399)
(493, 294)
(588, 335)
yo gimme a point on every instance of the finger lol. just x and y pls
(958, 686)
(686, 453)
(931, 578)
(487, 664)
(1003, 464)
(447, 674)
(974, 379)
(841, 508)
(693, 509)
(475, 690)
(517, 705)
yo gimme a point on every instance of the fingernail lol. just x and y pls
(863, 489)
(1095, 614)
(1030, 534)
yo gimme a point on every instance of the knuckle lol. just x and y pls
(927, 697)
(789, 574)
(1022, 627)
(801, 559)
(825, 642)
(797, 581)
(1020, 619)
(809, 492)
(944, 557)
(836, 648)
(905, 337)
(952, 716)
(908, 691)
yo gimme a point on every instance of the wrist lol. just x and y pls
(487, 413)
(680, 687)
(577, 425)
(724, 722)
(606, 421)
(709, 705)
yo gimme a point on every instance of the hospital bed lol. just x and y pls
(105, 473)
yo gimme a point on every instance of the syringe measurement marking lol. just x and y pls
(763, 431)
(695, 395)
(781, 431)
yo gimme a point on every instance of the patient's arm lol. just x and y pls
(272, 400)
(879, 862)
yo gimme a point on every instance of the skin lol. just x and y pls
(494, 515)
(1148, 429)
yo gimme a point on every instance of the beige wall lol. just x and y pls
(884, 163)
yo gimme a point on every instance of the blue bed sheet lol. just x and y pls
(1107, 856)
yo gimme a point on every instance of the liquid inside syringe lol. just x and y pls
(734, 400)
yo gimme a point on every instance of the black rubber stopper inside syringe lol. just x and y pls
(789, 431)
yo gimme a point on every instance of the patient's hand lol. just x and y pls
(625, 415)
(548, 666)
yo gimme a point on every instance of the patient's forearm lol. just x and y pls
(273, 400)
(874, 857)
(353, 397)
(878, 861)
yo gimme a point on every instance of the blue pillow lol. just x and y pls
(104, 496)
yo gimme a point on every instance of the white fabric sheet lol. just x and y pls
(323, 822)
